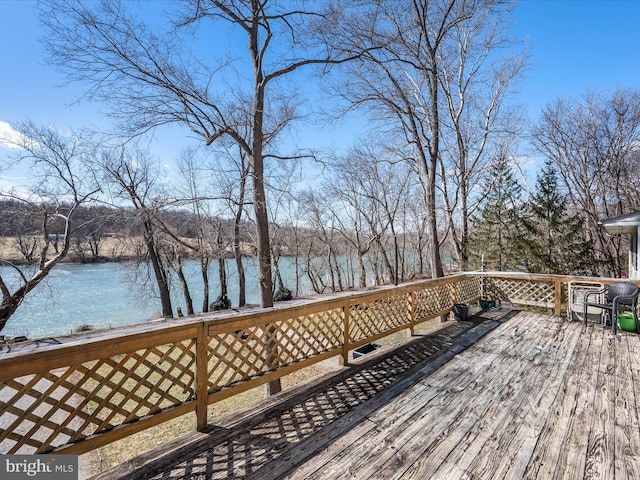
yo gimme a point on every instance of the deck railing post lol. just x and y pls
(453, 295)
(202, 375)
(411, 306)
(345, 334)
(557, 297)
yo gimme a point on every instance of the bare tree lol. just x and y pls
(174, 253)
(192, 172)
(231, 169)
(593, 142)
(399, 82)
(416, 226)
(320, 221)
(413, 53)
(220, 252)
(61, 169)
(281, 180)
(28, 245)
(478, 127)
(295, 238)
(375, 182)
(153, 79)
(356, 210)
(131, 175)
(349, 210)
(215, 188)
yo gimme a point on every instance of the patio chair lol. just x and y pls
(618, 297)
(575, 301)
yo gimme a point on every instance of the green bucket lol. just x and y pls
(626, 321)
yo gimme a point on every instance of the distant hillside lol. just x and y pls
(19, 218)
(103, 233)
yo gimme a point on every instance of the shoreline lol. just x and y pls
(112, 250)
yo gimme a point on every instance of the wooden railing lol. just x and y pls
(86, 392)
(544, 291)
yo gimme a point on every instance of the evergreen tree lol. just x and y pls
(553, 240)
(497, 225)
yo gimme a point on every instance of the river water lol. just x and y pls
(104, 295)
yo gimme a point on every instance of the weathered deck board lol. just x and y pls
(499, 443)
(599, 461)
(627, 433)
(522, 427)
(495, 421)
(396, 408)
(536, 412)
(581, 387)
(464, 408)
(530, 396)
(550, 453)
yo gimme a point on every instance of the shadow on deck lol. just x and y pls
(270, 438)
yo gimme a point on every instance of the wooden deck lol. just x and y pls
(508, 395)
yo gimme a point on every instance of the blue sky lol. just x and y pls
(28, 87)
(576, 45)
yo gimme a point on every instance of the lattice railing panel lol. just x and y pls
(368, 319)
(432, 300)
(468, 289)
(245, 354)
(41, 412)
(528, 292)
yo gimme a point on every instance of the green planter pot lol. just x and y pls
(626, 321)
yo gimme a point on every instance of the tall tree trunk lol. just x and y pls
(396, 255)
(185, 288)
(434, 153)
(278, 274)
(362, 281)
(260, 204)
(159, 271)
(338, 272)
(204, 271)
(385, 258)
(237, 252)
(222, 269)
(331, 271)
(242, 283)
(222, 275)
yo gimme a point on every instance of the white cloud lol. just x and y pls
(8, 136)
(14, 186)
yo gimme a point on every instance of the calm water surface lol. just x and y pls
(103, 296)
